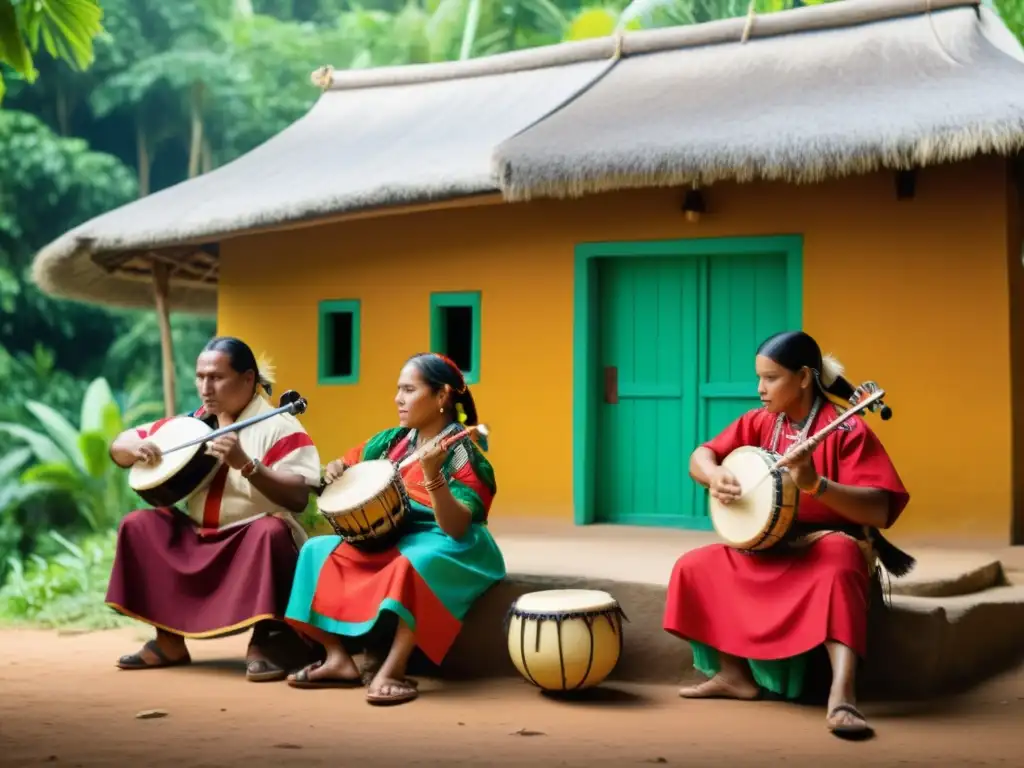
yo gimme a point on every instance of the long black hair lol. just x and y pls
(438, 371)
(797, 350)
(240, 357)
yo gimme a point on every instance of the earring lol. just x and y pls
(442, 409)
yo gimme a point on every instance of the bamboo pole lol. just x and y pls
(161, 282)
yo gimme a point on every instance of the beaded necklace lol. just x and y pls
(804, 429)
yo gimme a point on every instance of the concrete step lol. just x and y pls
(954, 620)
(921, 647)
(646, 555)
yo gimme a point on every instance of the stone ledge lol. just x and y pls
(921, 647)
(647, 555)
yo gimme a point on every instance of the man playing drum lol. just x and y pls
(226, 563)
(752, 617)
(427, 578)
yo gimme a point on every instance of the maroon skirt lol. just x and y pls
(166, 575)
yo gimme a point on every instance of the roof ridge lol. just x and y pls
(734, 30)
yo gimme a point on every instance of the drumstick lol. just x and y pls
(446, 443)
(817, 438)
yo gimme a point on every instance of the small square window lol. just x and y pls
(338, 346)
(455, 330)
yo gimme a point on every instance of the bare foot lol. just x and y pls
(388, 690)
(719, 687)
(847, 722)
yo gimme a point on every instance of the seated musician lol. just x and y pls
(226, 562)
(752, 618)
(424, 581)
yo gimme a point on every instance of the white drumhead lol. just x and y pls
(171, 434)
(357, 485)
(565, 601)
(745, 518)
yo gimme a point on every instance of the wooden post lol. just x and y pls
(161, 283)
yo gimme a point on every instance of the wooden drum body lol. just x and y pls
(565, 639)
(367, 502)
(179, 474)
(768, 508)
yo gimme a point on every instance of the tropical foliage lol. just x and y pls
(107, 100)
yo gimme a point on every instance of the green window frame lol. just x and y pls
(326, 341)
(439, 302)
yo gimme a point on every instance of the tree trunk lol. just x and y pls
(196, 144)
(142, 155)
(161, 288)
(207, 156)
(63, 114)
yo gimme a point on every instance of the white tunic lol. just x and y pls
(228, 499)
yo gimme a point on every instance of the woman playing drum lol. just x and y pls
(444, 560)
(751, 618)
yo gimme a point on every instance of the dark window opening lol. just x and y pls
(457, 335)
(340, 360)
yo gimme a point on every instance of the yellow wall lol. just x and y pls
(910, 293)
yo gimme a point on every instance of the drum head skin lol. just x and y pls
(555, 601)
(172, 434)
(359, 483)
(744, 519)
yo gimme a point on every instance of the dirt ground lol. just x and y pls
(63, 702)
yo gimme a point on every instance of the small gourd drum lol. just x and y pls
(368, 502)
(763, 516)
(565, 639)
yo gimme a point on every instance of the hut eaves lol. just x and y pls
(799, 95)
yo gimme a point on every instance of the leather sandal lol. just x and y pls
(852, 731)
(134, 661)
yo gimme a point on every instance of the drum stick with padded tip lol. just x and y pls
(813, 441)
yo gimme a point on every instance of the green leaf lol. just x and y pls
(58, 476)
(93, 447)
(43, 447)
(74, 550)
(97, 395)
(13, 50)
(60, 430)
(13, 461)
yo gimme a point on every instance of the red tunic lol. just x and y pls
(767, 606)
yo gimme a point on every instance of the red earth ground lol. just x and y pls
(62, 702)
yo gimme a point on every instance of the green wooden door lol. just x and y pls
(676, 343)
(746, 302)
(648, 358)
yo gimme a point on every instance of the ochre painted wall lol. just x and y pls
(910, 293)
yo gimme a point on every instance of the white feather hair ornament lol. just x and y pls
(267, 373)
(831, 369)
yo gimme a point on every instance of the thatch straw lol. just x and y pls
(899, 93)
(354, 151)
(819, 91)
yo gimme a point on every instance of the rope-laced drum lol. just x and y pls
(368, 501)
(368, 504)
(565, 639)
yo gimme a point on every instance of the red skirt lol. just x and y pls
(166, 575)
(773, 605)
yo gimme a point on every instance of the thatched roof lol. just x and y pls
(799, 95)
(360, 147)
(911, 90)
